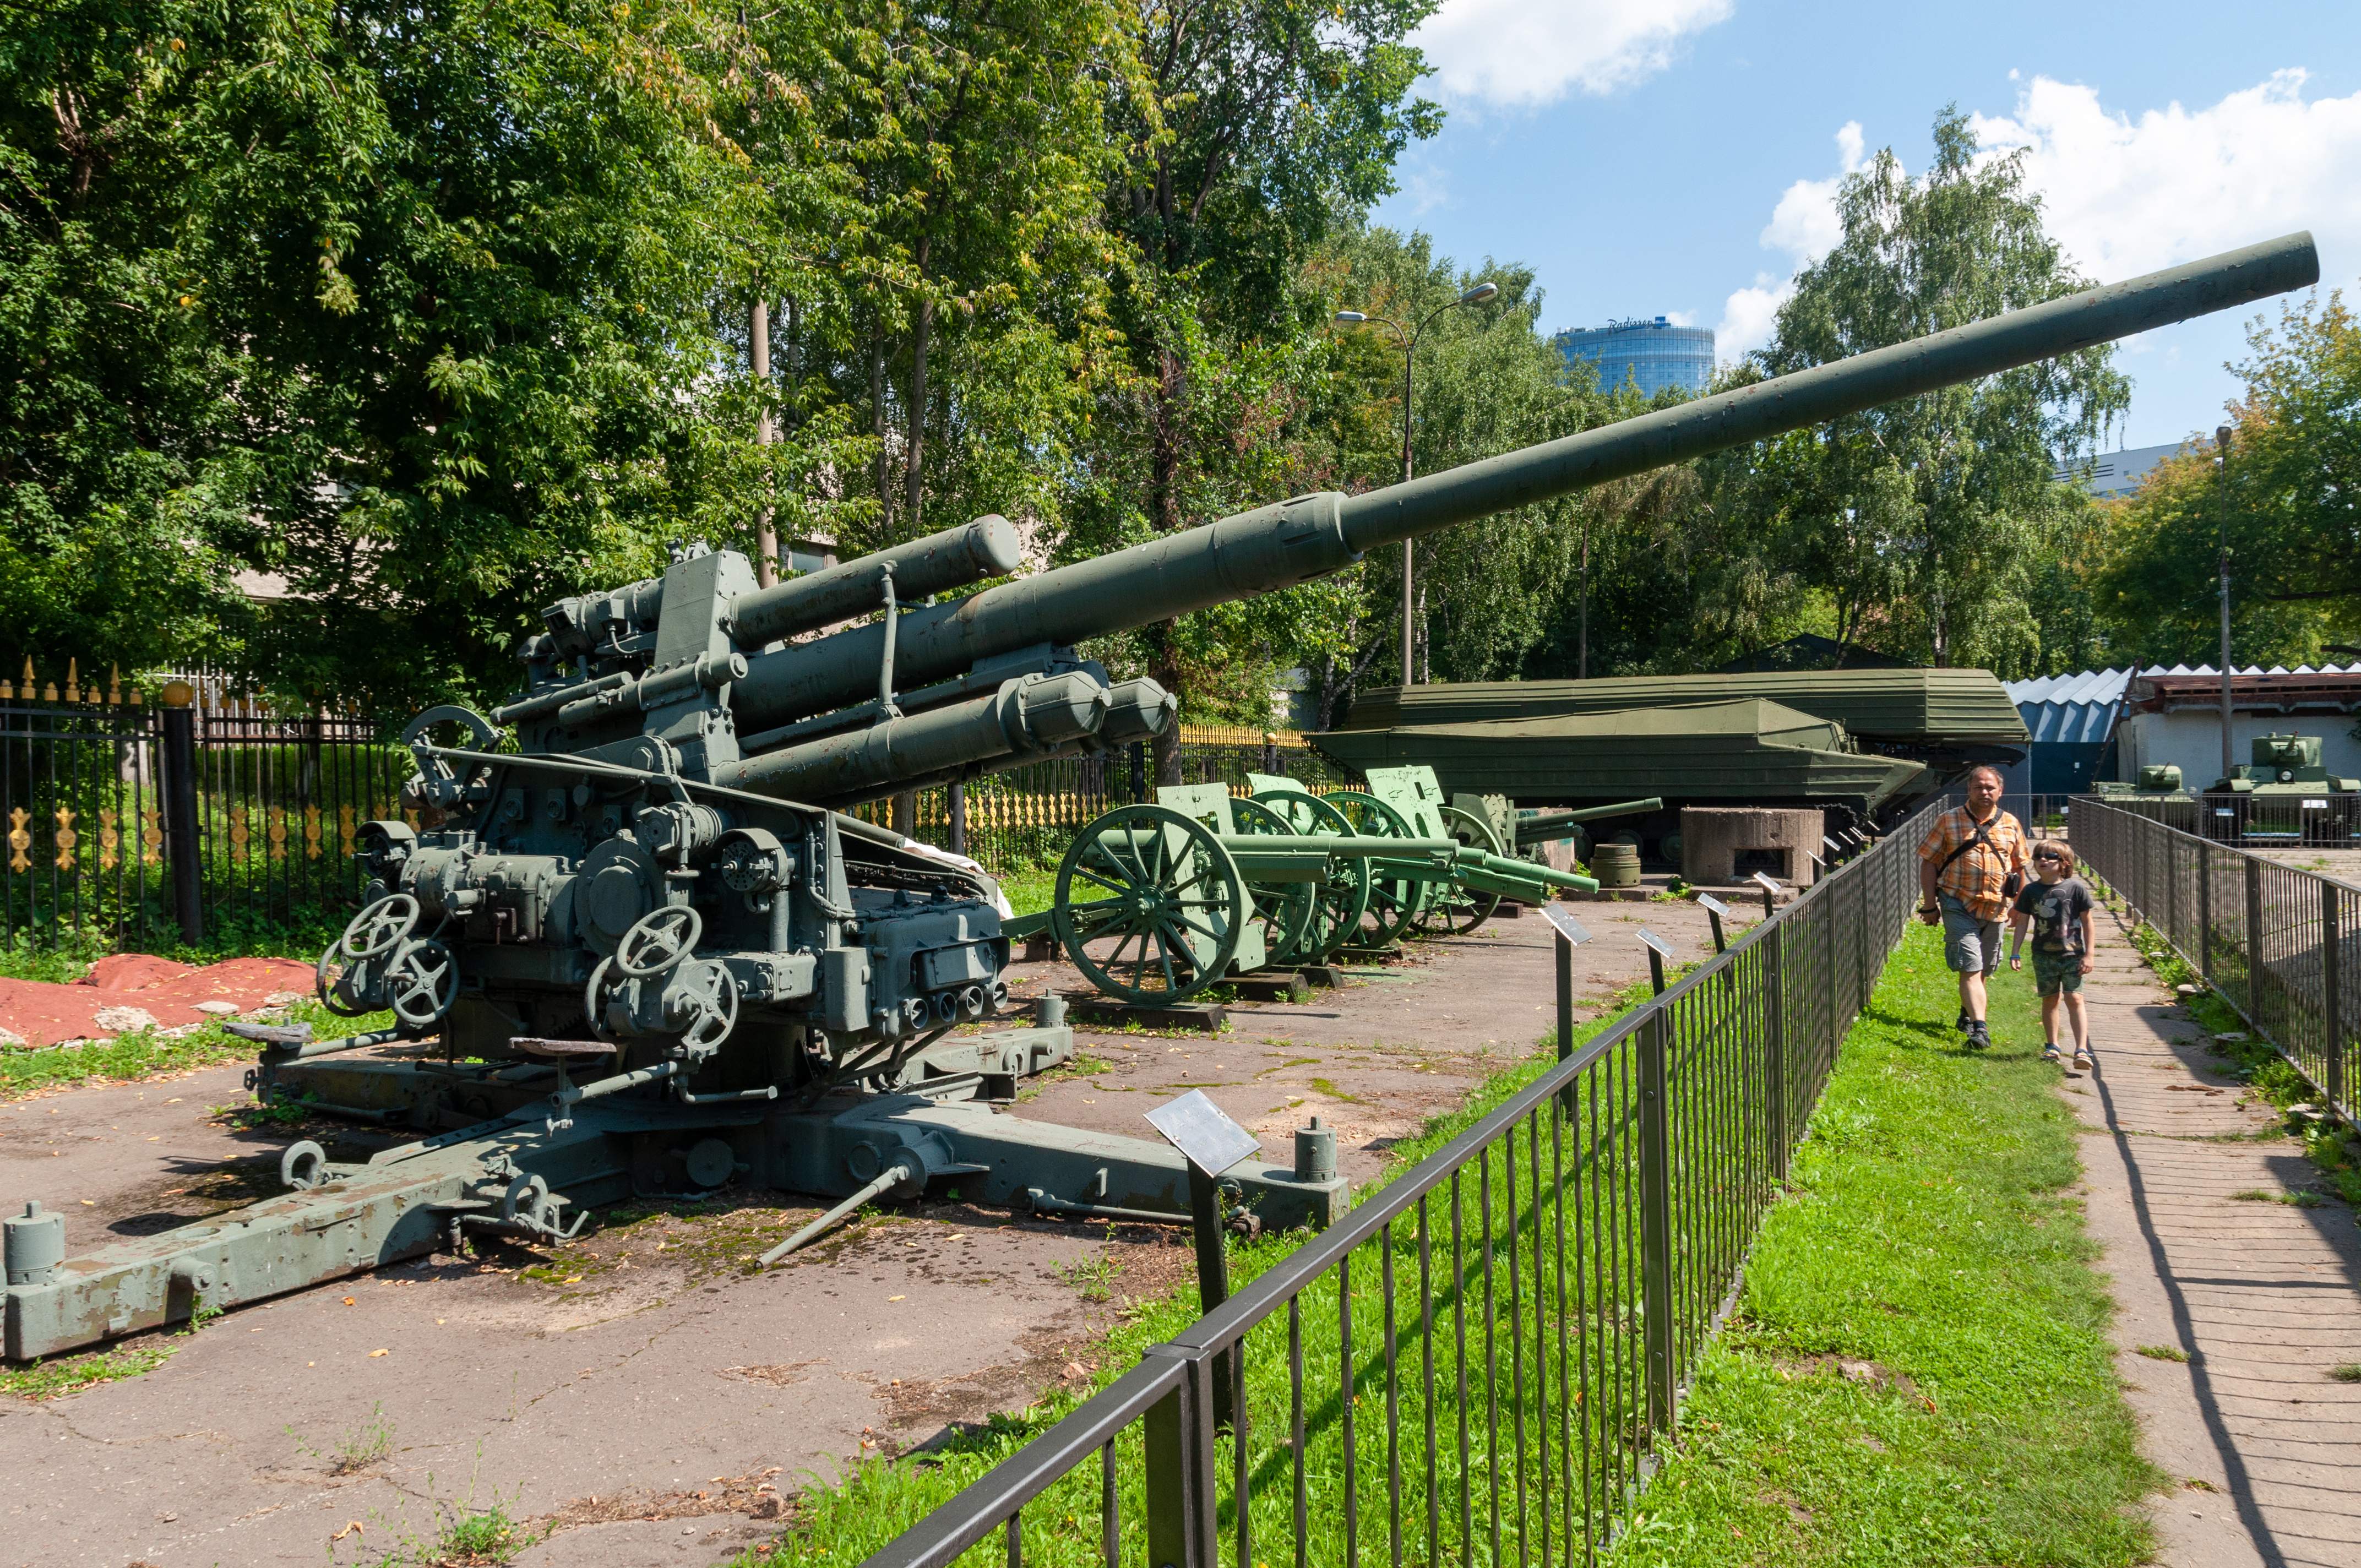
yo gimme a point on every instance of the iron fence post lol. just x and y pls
(1564, 1017)
(1866, 982)
(2254, 941)
(2206, 911)
(1835, 989)
(1182, 1529)
(1212, 1275)
(1138, 771)
(1775, 1055)
(955, 808)
(181, 845)
(2332, 965)
(1656, 1220)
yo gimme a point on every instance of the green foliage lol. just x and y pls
(1928, 524)
(1919, 1372)
(2289, 514)
(405, 307)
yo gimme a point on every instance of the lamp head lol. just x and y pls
(1480, 293)
(1350, 318)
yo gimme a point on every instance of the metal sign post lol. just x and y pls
(1715, 909)
(1770, 895)
(1570, 934)
(1658, 951)
(1211, 1142)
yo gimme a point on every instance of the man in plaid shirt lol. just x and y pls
(1964, 865)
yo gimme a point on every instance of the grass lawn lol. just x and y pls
(1917, 1373)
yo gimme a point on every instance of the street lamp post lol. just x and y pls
(2222, 500)
(1475, 296)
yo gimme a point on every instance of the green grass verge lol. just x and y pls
(1031, 890)
(844, 1515)
(1919, 1371)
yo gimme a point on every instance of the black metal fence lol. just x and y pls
(89, 792)
(100, 797)
(2314, 817)
(1483, 1362)
(2282, 943)
(85, 819)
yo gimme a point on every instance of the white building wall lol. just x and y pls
(2191, 737)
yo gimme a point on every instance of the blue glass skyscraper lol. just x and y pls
(1655, 354)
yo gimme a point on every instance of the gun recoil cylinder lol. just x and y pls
(940, 562)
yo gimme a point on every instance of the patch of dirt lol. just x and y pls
(1868, 1374)
(755, 1496)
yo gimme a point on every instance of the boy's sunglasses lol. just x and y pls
(2040, 855)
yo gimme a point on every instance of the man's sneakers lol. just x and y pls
(1979, 1035)
(1964, 1021)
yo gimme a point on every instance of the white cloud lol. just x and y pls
(1749, 315)
(1805, 225)
(2127, 196)
(1529, 52)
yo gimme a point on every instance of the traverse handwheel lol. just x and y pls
(657, 940)
(421, 982)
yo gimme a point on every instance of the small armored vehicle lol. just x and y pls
(2284, 794)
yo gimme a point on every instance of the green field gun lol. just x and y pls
(630, 945)
(1157, 903)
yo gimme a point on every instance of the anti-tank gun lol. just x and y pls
(635, 947)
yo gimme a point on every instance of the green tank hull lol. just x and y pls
(1750, 752)
(1940, 716)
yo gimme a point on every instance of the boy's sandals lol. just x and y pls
(2051, 1052)
(2086, 1061)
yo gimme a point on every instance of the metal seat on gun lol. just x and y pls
(644, 849)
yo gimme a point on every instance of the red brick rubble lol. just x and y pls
(125, 991)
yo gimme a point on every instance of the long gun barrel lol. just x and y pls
(1544, 825)
(1311, 536)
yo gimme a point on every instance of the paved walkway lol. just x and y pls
(2263, 1445)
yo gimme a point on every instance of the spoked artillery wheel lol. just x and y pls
(1458, 910)
(1149, 907)
(1394, 905)
(1284, 909)
(1343, 897)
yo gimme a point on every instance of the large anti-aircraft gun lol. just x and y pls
(634, 948)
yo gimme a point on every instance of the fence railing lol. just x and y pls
(274, 801)
(2312, 817)
(1484, 1360)
(2281, 944)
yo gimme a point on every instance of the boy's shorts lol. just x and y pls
(2057, 973)
(1970, 945)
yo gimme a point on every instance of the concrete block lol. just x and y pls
(1727, 844)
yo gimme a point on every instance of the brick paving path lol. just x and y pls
(2263, 1445)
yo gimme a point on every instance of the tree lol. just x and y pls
(1255, 125)
(2292, 512)
(425, 297)
(1925, 522)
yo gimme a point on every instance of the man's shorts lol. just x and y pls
(1969, 944)
(2057, 973)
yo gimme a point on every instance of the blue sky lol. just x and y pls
(1676, 156)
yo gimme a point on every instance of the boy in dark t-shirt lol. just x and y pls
(2059, 907)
